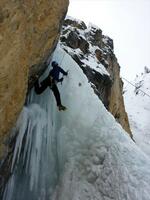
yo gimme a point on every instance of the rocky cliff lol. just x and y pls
(29, 31)
(90, 48)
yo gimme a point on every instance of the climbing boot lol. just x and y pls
(61, 107)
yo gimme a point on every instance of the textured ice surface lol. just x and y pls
(79, 154)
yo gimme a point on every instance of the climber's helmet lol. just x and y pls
(54, 64)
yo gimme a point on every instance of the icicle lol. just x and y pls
(22, 122)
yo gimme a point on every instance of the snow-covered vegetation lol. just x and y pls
(137, 102)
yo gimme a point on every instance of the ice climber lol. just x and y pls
(51, 80)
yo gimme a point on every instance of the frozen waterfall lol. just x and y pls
(82, 153)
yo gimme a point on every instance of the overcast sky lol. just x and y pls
(127, 22)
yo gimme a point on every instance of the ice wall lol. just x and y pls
(35, 167)
(82, 153)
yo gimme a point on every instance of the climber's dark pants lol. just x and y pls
(44, 84)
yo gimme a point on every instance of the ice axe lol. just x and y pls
(63, 77)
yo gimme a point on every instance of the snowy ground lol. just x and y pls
(82, 151)
(138, 109)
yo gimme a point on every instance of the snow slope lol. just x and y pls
(82, 153)
(137, 105)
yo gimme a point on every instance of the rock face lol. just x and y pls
(90, 48)
(116, 101)
(29, 31)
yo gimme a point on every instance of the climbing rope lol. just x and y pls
(135, 86)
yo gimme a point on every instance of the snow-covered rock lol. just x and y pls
(93, 52)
